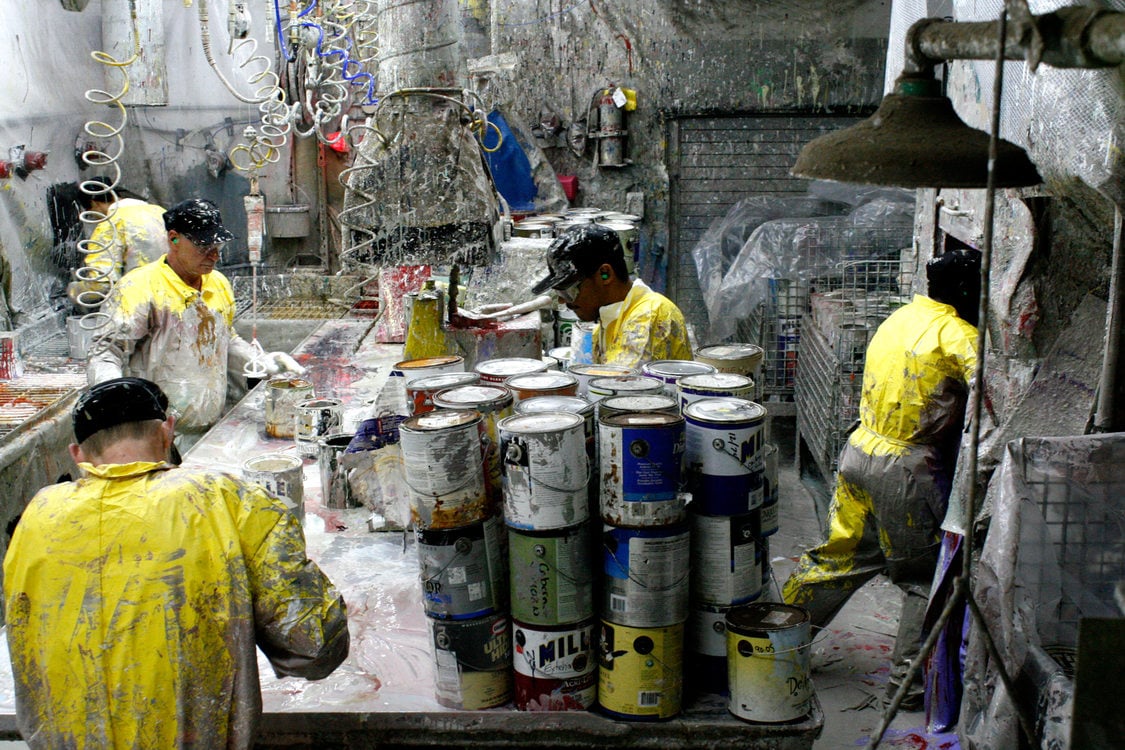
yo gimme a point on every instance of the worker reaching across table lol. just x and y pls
(896, 469)
(136, 596)
(172, 321)
(635, 324)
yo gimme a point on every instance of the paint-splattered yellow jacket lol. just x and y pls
(915, 379)
(649, 327)
(182, 339)
(133, 235)
(135, 597)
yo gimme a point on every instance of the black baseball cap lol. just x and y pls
(115, 402)
(577, 253)
(200, 220)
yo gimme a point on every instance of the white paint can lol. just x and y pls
(316, 418)
(281, 475)
(443, 466)
(546, 470)
(282, 396)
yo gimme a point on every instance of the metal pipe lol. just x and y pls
(1073, 37)
(1105, 420)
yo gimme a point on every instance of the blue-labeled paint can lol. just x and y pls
(723, 458)
(640, 458)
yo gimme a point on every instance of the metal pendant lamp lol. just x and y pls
(915, 139)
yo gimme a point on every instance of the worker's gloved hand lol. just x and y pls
(276, 363)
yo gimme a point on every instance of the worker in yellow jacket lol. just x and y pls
(137, 596)
(635, 324)
(172, 322)
(896, 469)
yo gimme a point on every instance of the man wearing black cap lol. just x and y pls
(635, 324)
(172, 322)
(137, 595)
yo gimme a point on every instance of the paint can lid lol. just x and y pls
(626, 384)
(642, 403)
(726, 381)
(672, 369)
(746, 619)
(539, 423)
(444, 380)
(285, 383)
(505, 367)
(432, 421)
(724, 409)
(479, 397)
(600, 371)
(418, 364)
(272, 462)
(572, 404)
(541, 381)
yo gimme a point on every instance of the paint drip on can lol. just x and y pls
(640, 671)
(555, 668)
(584, 409)
(768, 648)
(493, 403)
(551, 576)
(473, 660)
(442, 464)
(723, 454)
(545, 470)
(463, 570)
(646, 575)
(640, 457)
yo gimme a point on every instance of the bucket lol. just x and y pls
(334, 487)
(584, 409)
(442, 466)
(555, 668)
(79, 336)
(607, 407)
(768, 511)
(542, 384)
(646, 575)
(627, 385)
(586, 373)
(551, 576)
(639, 461)
(316, 418)
(412, 369)
(640, 671)
(473, 660)
(546, 470)
(726, 562)
(768, 648)
(669, 371)
(493, 403)
(282, 396)
(464, 573)
(281, 475)
(723, 455)
(496, 371)
(421, 391)
(717, 385)
(740, 359)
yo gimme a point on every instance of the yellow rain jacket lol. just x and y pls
(646, 327)
(182, 339)
(135, 598)
(133, 235)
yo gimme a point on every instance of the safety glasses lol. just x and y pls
(570, 293)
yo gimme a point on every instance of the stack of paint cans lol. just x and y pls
(724, 460)
(646, 559)
(493, 403)
(546, 509)
(462, 556)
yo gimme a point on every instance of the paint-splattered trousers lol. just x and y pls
(885, 516)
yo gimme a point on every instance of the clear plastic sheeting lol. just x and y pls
(1054, 553)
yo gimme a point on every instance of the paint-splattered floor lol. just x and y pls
(851, 658)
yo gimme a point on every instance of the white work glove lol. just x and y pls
(275, 363)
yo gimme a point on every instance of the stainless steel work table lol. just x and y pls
(382, 695)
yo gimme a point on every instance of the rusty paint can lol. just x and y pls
(717, 385)
(442, 466)
(335, 490)
(768, 647)
(638, 404)
(726, 561)
(494, 403)
(464, 573)
(627, 385)
(669, 371)
(421, 391)
(473, 660)
(282, 396)
(723, 455)
(639, 458)
(640, 671)
(769, 514)
(586, 373)
(546, 471)
(497, 371)
(282, 475)
(542, 384)
(555, 668)
(316, 418)
(412, 369)
(646, 575)
(551, 576)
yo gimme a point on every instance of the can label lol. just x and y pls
(646, 575)
(640, 458)
(724, 439)
(640, 671)
(551, 577)
(316, 418)
(557, 654)
(463, 571)
(725, 559)
(473, 662)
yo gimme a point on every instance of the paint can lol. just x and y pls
(79, 336)
(316, 418)
(421, 391)
(531, 229)
(334, 487)
(463, 570)
(473, 660)
(493, 403)
(640, 671)
(546, 471)
(669, 371)
(626, 385)
(726, 561)
(587, 373)
(441, 461)
(768, 511)
(639, 461)
(768, 648)
(723, 455)
(551, 576)
(646, 575)
(627, 234)
(282, 475)
(739, 359)
(412, 369)
(282, 396)
(718, 385)
(607, 407)
(496, 371)
(705, 640)
(584, 409)
(764, 544)
(562, 355)
(565, 318)
(555, 668)
(542, 384)
(582, 344)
